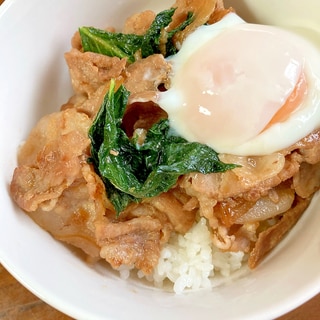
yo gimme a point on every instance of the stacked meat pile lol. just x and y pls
(248, 209)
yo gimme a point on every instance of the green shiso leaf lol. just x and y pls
(132, 172)
(115, 44)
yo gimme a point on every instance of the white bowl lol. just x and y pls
(34, 81)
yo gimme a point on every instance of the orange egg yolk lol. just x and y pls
(292, 103)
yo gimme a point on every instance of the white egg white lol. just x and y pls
(299, 124)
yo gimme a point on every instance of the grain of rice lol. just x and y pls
(191, 261)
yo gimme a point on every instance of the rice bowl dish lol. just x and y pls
(107, 277)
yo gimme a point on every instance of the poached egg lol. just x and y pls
(244, 89)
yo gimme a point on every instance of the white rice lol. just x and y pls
(191, 261)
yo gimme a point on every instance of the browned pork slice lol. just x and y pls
(270, 237)
(202, 10)
(139, 23)
(137, 236)
(90, 76)
(145, 76)
(88, 70)
(51, 159)
(60, 191)
(133, 243)
(251, 208)
(54, 183)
